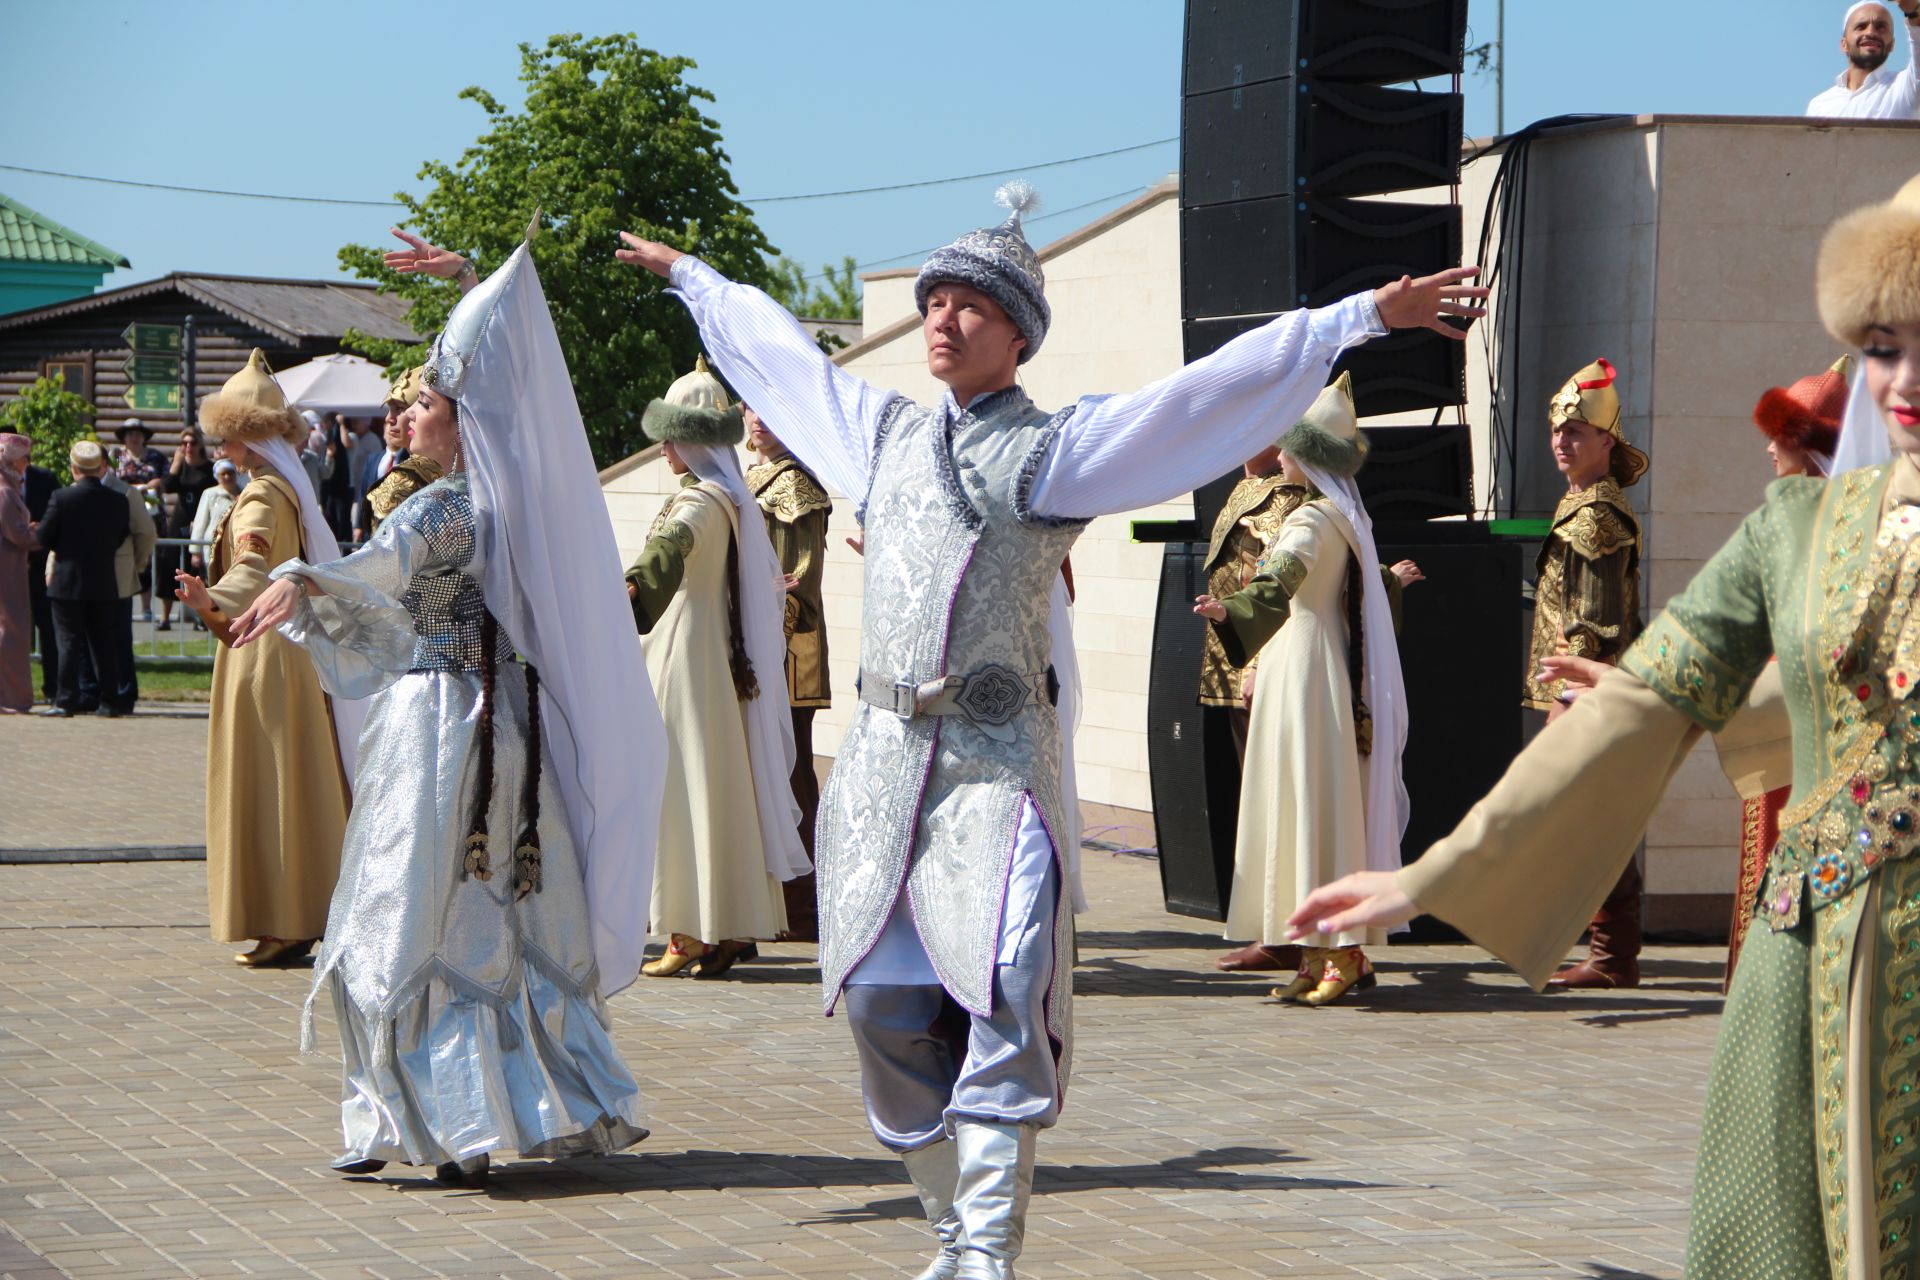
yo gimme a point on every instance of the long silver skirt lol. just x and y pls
(468, 1022)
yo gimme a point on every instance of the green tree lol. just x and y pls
(611, 139)
(54, 416)
(833, 295)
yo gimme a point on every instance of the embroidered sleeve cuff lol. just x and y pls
(1686, 674)
(1285, 568)
(693, 279)
(1347, 323)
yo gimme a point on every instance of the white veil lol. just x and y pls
(1066, 669)
(550, 573)
(770, 749)
(1863, 432)
(1386, 690)
(317, 540)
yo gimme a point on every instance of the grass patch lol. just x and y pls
(165, 680)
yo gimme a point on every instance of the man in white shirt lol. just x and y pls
(1869, 89)
(944, 902)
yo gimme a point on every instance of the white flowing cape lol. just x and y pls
(770, 748)
(551, 575)
(1386, 690)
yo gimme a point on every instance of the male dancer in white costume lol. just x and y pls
(943, 919)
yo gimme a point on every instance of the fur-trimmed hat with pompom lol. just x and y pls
(695, 410)
(1806, 416)
(250, 408)
(1328, 435)
(1869, 268)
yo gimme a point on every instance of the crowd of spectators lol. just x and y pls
(173, 508)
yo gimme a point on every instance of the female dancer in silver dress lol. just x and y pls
(493, 885)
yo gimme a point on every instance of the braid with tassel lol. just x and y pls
(745, 684)
(1357, 658)
(526, 855)
(476, 863)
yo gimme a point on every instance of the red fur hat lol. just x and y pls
(1806, 416)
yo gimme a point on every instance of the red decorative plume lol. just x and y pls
(1595, 383)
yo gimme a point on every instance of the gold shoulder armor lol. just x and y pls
(1599, 529)
(406, 479)
(792, 494)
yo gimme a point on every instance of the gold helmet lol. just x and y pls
(1589, 397)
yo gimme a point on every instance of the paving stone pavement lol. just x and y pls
(157, 1120)
(93, 782)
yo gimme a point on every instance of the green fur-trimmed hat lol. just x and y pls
(1328, 435)
(695, 410)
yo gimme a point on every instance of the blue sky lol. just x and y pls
(336, 99)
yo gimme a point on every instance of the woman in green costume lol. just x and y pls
(1810, 1150)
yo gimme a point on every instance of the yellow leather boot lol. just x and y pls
(1312, 965)
(681, 951)
(1347, 968)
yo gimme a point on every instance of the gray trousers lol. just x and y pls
(925, 1062)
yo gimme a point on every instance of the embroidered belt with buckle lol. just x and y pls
(988, 697)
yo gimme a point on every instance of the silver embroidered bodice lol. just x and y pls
(444, 602)
(959, 573)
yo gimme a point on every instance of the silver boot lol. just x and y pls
(996, 1181)
(935, 1169)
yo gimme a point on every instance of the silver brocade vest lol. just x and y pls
(959, 573)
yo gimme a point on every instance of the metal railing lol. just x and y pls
(186, 640)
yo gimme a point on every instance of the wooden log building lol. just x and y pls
(292, 321)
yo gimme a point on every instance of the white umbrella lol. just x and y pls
(336, 384)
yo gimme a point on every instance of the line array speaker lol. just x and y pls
(1233, 42)
(1274, 254)
(1293, 136)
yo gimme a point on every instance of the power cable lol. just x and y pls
(394, 204)
(965, 177)
(200, 191)
(1057, 213)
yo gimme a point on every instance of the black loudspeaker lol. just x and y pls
(1463, 651)
(1264, 256)
(1194, 770)
(1406, 371)
(1283, 119)
(1297, 136)
(1234, 42)
(1417, 473)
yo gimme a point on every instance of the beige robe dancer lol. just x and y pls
(1302, 817)
(276, 798)
(710, 878)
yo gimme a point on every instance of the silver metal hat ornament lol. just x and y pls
(446, 367)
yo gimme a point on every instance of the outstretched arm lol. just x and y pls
(825, 415)
(1909, 79)
(1118, 453)
(421, 258)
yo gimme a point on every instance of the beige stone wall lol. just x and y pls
(1683, 250)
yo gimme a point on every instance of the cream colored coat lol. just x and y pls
(1303, 792)
(710, 878)
(276, 799)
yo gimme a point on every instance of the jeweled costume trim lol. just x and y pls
(1835, 586)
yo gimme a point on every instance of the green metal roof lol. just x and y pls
(26, 236)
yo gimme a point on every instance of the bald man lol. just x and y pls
(1868, 89)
